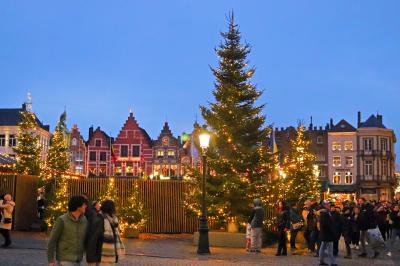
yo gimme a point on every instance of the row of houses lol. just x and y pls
(351, 160)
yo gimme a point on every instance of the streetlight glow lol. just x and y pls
(204, 140)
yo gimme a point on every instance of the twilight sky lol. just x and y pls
(328, 59)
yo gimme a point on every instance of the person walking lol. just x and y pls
(66, 242)
(366, 221)
(283, 225)
(296, 223)
(326, 234)
(112, 247)
(256, 221)
(394, 220)
(6, 207)
(355, 228)
(347, 230)
(382, 211)
(337, 224)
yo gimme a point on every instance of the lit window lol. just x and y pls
(160, 153)
(349, 161)
(348, 145)
(74, 142)
(336, 178)
(171, 153)
(349, 177)
(336, 161)
(336, 146)
(12, 141)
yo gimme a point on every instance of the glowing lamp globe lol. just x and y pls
(204, 140)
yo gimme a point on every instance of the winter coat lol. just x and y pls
(94, 240)
(337, 223)
(381, 215)
(67, 239)
(7, 208)
(295, 215)
(366, 218)
(395, 218)
(283, 219)
(312, 218)
(256, 217)
(347, 224)
(327, 228)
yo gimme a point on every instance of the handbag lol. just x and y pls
(297, 225)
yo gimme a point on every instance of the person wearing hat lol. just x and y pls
(326, 234)
(256, 221)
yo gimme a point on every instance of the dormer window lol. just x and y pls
(98, 143)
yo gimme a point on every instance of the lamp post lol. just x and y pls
(203, 246)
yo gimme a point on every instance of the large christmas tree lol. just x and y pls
(58, 159)
(301, 182)
(58, 201)
(28, 150)
(237, 159)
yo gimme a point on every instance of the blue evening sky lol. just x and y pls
(328, 59)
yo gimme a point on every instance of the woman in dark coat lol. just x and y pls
(347, 230)
(283, 225)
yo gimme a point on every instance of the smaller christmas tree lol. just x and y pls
(58, 202)
(28, 149)
(58, 159)
(301, 182)
(133, 215)
(111, 192)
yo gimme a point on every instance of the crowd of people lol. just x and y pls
(361, 223)
(90, 228)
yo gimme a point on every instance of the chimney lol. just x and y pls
(311, 124)
(327, 126)
(90, 132)
(315, 128)
(276, 129)
(320, 128)
(379, 117)
(359, 119)
(179, 140)
(331, 123)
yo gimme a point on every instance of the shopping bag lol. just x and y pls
(375, 237)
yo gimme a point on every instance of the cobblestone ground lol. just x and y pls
(30, 249)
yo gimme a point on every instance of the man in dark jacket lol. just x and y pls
(394, 220)
(283, 225)
(366, 221)
(337, 223)
(326, 234)
(347, 229)
(311, 227)
(94, 241)
(295, 219)
(256, 221)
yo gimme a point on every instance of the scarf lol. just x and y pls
(112, 243)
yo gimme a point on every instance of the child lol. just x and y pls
(248, 237)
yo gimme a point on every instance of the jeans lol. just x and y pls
(282, 250)
(256, 238)
(395, 234)
(6, 235)
(355, 238)
(293, 235)
(328, 247)
(313, 239)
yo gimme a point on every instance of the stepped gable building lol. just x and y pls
(78, 152)
(133, 154)
(9, 119)
(342, 157)
(166, 153)
(99, 153)
(376, 158)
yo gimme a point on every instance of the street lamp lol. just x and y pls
(203, 246)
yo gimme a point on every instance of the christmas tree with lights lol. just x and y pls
(58, 201)
(133, 214)
(58, 159)
(301, 182)
(28, 150)
(111, 192)
(237, 160)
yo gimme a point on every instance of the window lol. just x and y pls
(336, 178)
(98, 142)
(92, 156)
(103, 156)
(171, 153)
(160, 153)
(2, 140)
(135, 151)
(12, 141)
(368, 144)
(322, 172)
(320, 157)
(368, 168)
(349, 161)
(348, 178)
(74, 142)
(124, 151)
(348, 145)
(320, 140)
(79, 169)
(384, 144)
(336, 161)
(79, 156)
(384, 167)
(336, 146)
